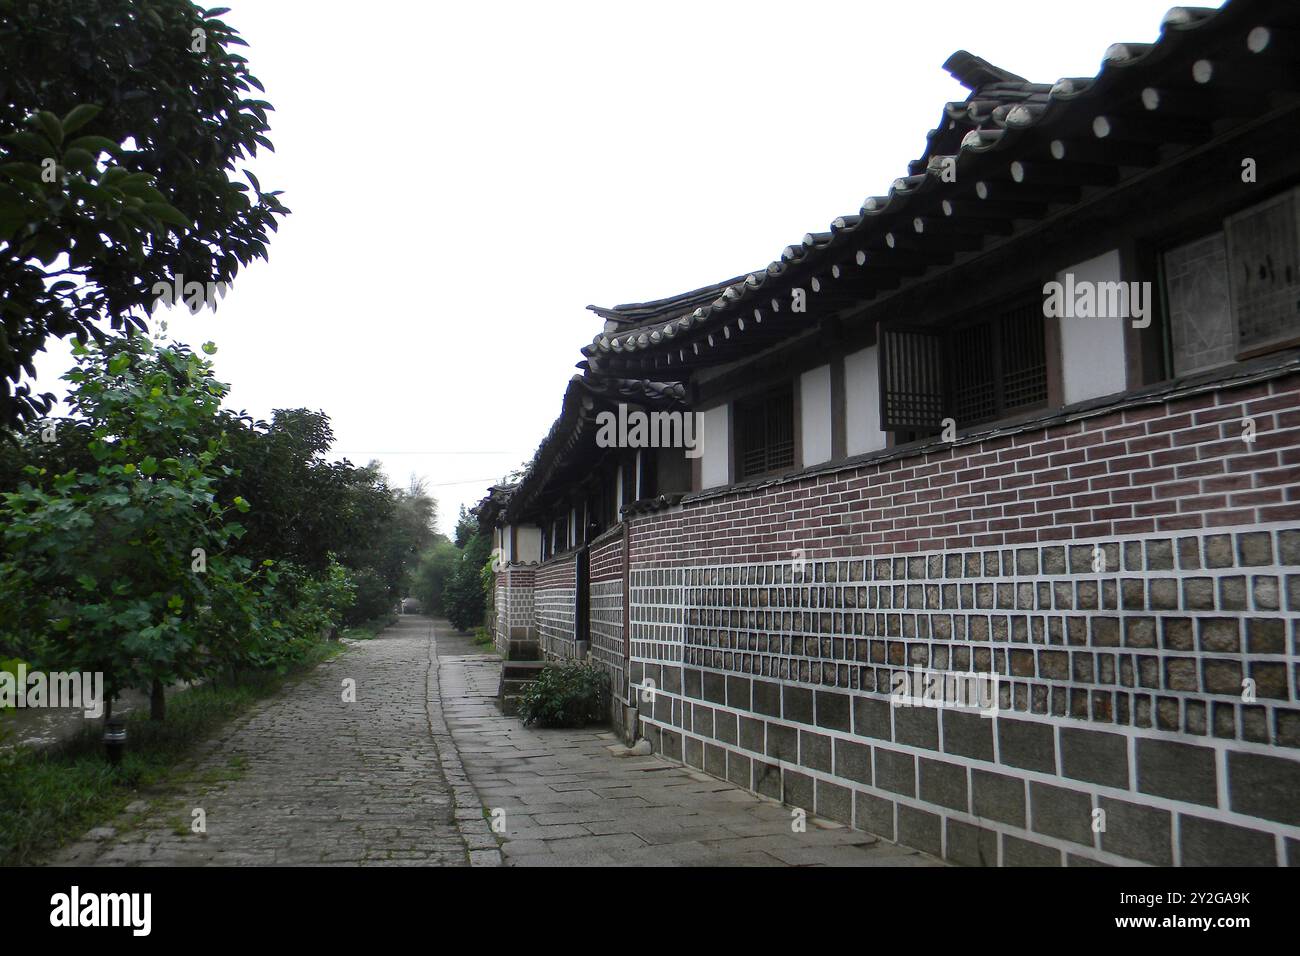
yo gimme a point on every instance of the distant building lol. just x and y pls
(1034, 412)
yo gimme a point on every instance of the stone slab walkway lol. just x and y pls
(578, 797)
(306, 779)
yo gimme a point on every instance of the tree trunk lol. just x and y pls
(157, 701)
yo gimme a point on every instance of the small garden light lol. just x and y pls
(114, 739)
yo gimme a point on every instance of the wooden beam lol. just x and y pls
(992, 209)
(1149, 129)
(1197, 102)
(1259, 74)
(1106, 153)
(949, 240)
(1063, 174)
(1025, 192)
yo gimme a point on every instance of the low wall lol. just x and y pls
(605, 618)
(1122, 574)
(554, 607)
(513, 605)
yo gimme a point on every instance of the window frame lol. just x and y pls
(937, 361)
(765, 399)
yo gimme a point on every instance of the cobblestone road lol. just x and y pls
(308, 779)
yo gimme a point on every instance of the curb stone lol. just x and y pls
(481, 845)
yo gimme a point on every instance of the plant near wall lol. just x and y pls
(565, 695)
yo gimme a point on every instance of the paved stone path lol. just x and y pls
(578, 797)
(307, 779)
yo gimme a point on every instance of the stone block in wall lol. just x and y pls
(833, 711)
(997, 796)
(815, 751)
(895, 771)
(783, 743)
(739, 769)
(920, 829)
(1179, 771)
(1060, 812)
(715, 761)
(942, 783)
(917, 727)
(873, 814)
(871, 718)
(797, 789)
(967, 735)
(1262, 785)
(1030, 746)
(1095, 756)
(970, 845)
(1018, 852)
(1205, 842)
(853, 761)
(767, 779)
(1137, 831)
(834, 802)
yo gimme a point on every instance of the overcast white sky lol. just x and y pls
(467, 178)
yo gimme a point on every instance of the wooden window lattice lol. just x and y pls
(765, 428)
(975, 373)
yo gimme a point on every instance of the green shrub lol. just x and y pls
(565, 695)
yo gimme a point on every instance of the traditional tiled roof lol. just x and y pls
(1009, 154)
(560, 458)
(641, 313)
(1011, 151)
(494, 504)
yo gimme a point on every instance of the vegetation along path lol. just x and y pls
(307, 778)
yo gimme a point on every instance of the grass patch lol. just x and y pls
(483, 638)
(50, 796)
(370, 629)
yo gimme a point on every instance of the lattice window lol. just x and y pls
(976, 372)
(973, 371)
(765, 433)
(912, 386)
(1023, 375)
(1264, 272)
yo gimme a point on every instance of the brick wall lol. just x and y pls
(1172, 467)
(513, 605)
(554, 605)
(605, 614)
(772, 622)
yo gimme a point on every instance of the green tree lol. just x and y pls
(128, 567)
(432, 574)
(463, 597)
(466, 527)
(123, 128)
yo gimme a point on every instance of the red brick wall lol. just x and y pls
(1175, 466)
(606, 559)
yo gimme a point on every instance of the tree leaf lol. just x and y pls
(166, 212)
(79, 116)
(50, 124)
(96, 145)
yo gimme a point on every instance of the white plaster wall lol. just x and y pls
(1092, 350)
(862, 402)
(815, 414)
(715, 462)
(528, 540)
